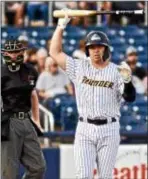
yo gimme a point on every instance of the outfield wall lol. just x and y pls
(131, 162)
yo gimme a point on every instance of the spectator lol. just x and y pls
(106, 6)
(132, 59)
(14, 13)
(59, 5)
(139, 85)
(41, 57)
(83, 5)
(137, 72)
(37, 12)
(72, 5)
(31, 57)
(76, 21)
(80, 53)
(52, 81)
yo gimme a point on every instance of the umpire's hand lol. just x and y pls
(37, 127)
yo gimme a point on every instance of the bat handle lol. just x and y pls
(121, 12)
(130, 12)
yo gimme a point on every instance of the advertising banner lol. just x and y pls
(131, 162)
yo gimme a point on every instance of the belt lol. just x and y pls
(97, 121)
(20, 115)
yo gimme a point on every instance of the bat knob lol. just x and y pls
(139, 11)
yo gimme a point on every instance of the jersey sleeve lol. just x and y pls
(72, 67)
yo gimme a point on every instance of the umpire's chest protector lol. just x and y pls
(16, 89)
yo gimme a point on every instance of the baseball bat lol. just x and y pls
(84, 13)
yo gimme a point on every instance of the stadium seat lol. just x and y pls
(11, 32)
(64, 110)
(69, 117)
(100, 28)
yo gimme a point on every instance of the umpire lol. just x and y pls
(19, 137)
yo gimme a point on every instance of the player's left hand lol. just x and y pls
(125, 72)
(62, 22)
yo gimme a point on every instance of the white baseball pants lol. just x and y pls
(96, 144)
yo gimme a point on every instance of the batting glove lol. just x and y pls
(62, 22)
(125, 72)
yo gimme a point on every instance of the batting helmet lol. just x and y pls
(13, 46)
(98, 38)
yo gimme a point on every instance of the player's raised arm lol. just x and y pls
(56, 42)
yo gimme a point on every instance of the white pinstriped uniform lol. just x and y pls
(98, 94)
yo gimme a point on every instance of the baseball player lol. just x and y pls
(19, 138)
(100, 85)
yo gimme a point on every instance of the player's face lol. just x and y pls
(96, 52)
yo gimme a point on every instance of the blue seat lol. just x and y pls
(141, 41)
(59, 104)
(75, 32)
(54, 105)
(69, 117)
(139, 129)
(69, 113)
(124, 120)
(12, 32)
(39, 32)
(143, 110)
(97, 28)
(120, 48)
(69, 49)
(118, 41)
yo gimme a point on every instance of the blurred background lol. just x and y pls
(32, 23)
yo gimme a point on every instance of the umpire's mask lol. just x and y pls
(13, 54)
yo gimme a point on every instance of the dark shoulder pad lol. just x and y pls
(31, 69)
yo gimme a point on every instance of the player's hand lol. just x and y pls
(125, 72)
(62, 22)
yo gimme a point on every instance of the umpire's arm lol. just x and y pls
(35, 109)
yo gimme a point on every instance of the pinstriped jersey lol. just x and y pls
(98, 91)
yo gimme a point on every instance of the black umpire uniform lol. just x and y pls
(18, 134)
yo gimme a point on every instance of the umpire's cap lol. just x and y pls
(98, 38)
(13, 46)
